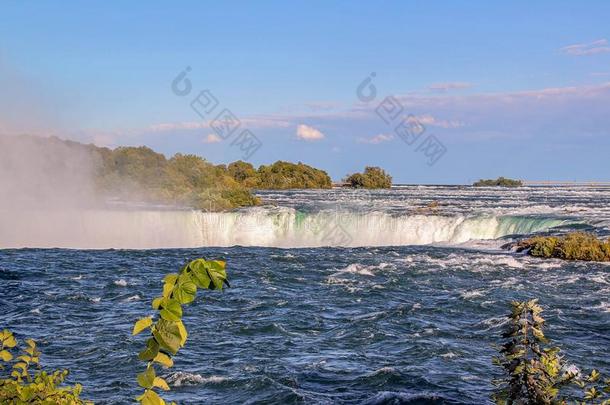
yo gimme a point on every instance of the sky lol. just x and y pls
(484, 89)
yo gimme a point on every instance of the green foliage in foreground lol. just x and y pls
(499, 182)
(279, 176)
(27, 386)
(573, 246)
(167, 333)
(535, 373)
(372, 177)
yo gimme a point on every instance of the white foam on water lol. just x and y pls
(603, 306)
(181, 378)
(471, 294)
(356, 268)
(120, 283)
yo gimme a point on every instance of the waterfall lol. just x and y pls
(259, 226)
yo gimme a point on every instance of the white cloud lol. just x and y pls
(212, 138)
(248, 122)
(376, 139)
(450, 86)
(592, 48)
(428, 119)
(173, 126)
(265, 122)
(322, 106)
(308, 133)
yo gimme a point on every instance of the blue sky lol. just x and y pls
(516, 89)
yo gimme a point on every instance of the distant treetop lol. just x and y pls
(499, 182)
(372, 177)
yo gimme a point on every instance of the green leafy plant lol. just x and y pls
(572, 246)
(535, 373)
(167, 333)
(27, 382)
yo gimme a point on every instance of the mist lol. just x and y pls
(48, 198)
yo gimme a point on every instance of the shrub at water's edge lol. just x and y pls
(22, 380)
(499, 182)
(372, 177)
(167, 333)
(573, 246)
(535, 372)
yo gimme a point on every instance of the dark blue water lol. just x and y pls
(325, 325)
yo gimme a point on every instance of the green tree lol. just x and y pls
(499, 182)
(372, 177)
(285, 175)
(244, 173)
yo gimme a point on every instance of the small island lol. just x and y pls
(279, 176)
(572, 246)
(373, 178)
(499, 182)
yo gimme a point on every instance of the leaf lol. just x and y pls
(146, 378)
(151, 398)
(164, 360)
(5, 355)
(170, 281)
(172, 311)
(141, 324)
(185, 289)
(183, 333)
(167, 334)
(7, 339)
(151, 350)
(518, 369)
(161, 383)
(210, 274)
(200, 274)
(594, 375)
(218, 274)
(156, 303)
(592, 393)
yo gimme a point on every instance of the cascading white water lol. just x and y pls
(274, 227)
(289, 228)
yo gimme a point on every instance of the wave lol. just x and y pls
(261, 226)
(180, 379)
